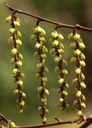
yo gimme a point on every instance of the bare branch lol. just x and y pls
(47, 20)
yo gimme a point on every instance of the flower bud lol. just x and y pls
(82, 56)
(14, 51)
(18, 42)
(64, 71)
(61, 100)
(73, 45)
(37, 45)
(83, 85)
(61, 80)
(55, 43)
(12, 30)
(12, 124)
(83, 105)
(77, 52)
(20, 82)
(22, 103)
(22, 75)
(8, 19)
(16, 91)
(56, 69)
(60, 36)
(10, 40)
(77, 70)
(52, 51)
(17, 23)
(54, 34)
(20, 56)
(82, 63)
(79, 113)
(15, 70)
(18, 34)
(73, 59)
(81, 45)
(70, 36)
(19, 63)
(46, 92)
(76, 36)
(57, 59)
(78, 93)
(65, 93)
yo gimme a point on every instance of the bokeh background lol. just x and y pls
(64, 11)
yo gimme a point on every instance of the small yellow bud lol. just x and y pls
(74, 80)
(73, 59)
(70, 36)
(73, 45)
(61, 51)
(76, 36)
(82, 63)
(65, 93)
(56, 69)
(61, 80)
(54, 34)
(52, 51)
(12, 30)
(78, 93)
(19, 63)
(57, 59)
(46, 92)
(82, 76)
(14, 51)
(20, 56)
(10, 40)
(60, 36)
(18, 34)
(61, 100)
(44, 49)
(77, 70)
(22, 103)
(17, 23)
(15, 70)
(22, 75)
(82, 56)
(12, 124)
(20, 82)
(55, 42)
(81, 45)
(23, 94)
(83, 85)
(37, 45)
(77, 52)
(79, 113)
(44, 120)
(18, 42)
(64, 71)
(8, 19)
(83, 105)
(16, 91)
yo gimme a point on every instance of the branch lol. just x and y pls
(87, 123)
(60, 122)
(47, 20)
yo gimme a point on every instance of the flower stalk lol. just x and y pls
(16, 59)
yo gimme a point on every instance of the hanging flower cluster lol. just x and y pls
(16, 59)
(41, 51)
(58, 49)
(77, 45)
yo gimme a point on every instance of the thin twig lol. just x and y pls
(47, 20)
